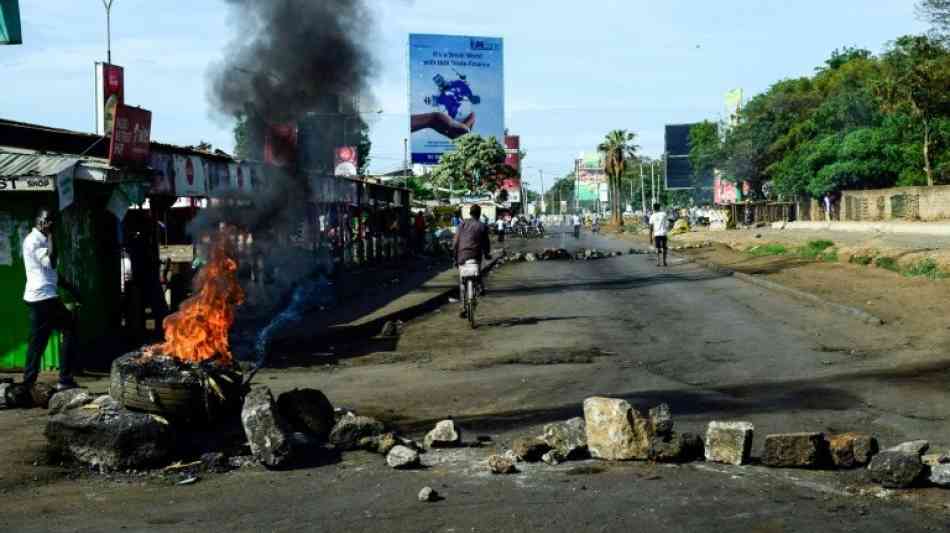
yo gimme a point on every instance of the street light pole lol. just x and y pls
(643, 192)
(108, 5)
(541, 174)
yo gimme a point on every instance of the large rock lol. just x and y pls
(445, 435)
(676, 448)
(568, 438)
(934, 459)
(268, 434)
(350, 429)
(940, 475)
(896, 469)
(401, 457)
(105, 435)
(849, 450)
(308, 411)
(615, 430)
(916, 447)
(500, 464)
(729, 442)
(13, 395)
(381, 444)
(794, 450)
(69, 399)
(529, 449)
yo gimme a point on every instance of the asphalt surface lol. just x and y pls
(551, 334)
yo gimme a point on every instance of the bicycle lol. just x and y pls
(468, 278)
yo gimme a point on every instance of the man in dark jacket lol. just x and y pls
(472, 242)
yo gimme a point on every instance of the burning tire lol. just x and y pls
(159, 384)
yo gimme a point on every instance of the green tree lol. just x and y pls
(477, 165)
(705, 148)
(618, 147)
(916, 78)
(937, 13)
(242, 145)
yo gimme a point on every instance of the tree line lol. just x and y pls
(861, 121)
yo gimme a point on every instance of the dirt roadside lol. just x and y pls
(912, 304)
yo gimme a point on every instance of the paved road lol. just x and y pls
(550, 335)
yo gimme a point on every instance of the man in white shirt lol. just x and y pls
(47, 312)
(659, 229)
(576, 222)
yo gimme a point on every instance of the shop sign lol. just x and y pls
(27, 183)
(131, 136)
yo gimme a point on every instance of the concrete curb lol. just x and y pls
(373, 327)
(860, 314)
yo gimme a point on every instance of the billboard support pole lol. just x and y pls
(108, 5)
(643, 192)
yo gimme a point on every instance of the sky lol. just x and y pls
(573, 70)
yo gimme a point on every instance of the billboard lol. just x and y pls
(345, 161)
(590, 176)
(110, 94)
(456, 86)
(10, 22)
(131, 137)
(679, 171)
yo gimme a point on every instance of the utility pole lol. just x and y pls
(653, 181)
(405, 160)
(541, 174)
(643, 192)
(108, 5)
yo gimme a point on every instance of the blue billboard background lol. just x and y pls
(456, 86)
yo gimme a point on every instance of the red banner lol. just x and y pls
(131, 135)
(512, 148)
(110, 94)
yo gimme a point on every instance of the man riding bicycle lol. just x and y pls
(471, 242)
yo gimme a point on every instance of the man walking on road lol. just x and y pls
(576, 222)
(472, 242)
(47, 312)
(659, 229)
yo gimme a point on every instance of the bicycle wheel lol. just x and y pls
(470, 302)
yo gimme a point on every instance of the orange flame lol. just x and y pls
(199, 330)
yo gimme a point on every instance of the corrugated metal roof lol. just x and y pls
(20, 162)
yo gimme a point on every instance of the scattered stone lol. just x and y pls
(428, 494)
(500, 464)
(241, 461)
(916, 447)
(392, 328)
(530, 257)
(940, 475)
(409, 443)
(214, 462)
(41, 393)
(69, 399)
(14, 395)
(445, 435)
(849, 450)
(268, 434)
(381, 444)
(553, 458)
(110, 437)
(615, 430)
(935, 459)
(529, 449)
(662, 420)
(351, 428)
(677, 448)
(794, 450)
(401, 457)
(896, 469)
(568, 438)
(729, 442)
(309, 411)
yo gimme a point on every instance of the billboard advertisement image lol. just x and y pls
(456, 86)
(590, 176)
(110, 94)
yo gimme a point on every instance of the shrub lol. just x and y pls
(763, 250)
(887, 263)
(814, 249)
(830, 256)
(925, 267)
(860, 260)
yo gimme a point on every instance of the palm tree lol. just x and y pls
(618, 147)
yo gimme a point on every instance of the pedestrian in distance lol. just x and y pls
(46, 309)
(576, 222)
(659, 230)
